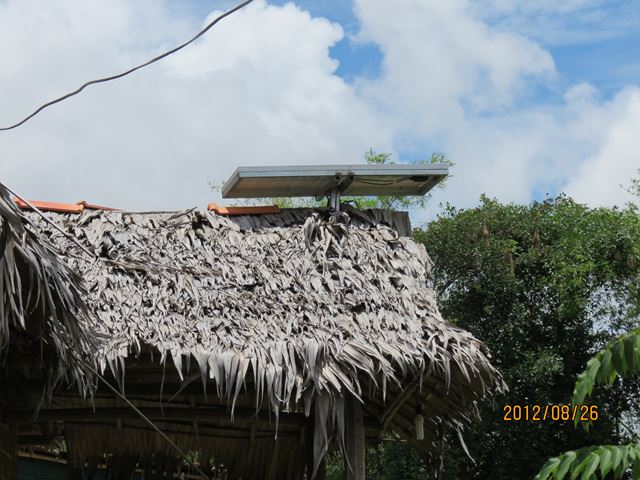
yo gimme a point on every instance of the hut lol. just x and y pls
(255, 339)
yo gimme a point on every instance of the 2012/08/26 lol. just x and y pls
(555, 413)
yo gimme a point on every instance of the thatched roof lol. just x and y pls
(41, 296)
(302, 308)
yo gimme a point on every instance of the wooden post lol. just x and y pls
(309, 432)
(354, 440)
(8, 453)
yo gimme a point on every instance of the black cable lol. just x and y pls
(149, 422)
(131, 70)
(381, 182)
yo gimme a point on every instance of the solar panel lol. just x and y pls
(321, 180)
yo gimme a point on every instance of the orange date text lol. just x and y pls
(554, 413)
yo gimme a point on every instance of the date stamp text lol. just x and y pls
(554, 413)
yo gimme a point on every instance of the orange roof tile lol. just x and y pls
(82, 205)
(51, 206)
(61, 207)
(257, 210)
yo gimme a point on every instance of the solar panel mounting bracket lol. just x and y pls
(336, 187)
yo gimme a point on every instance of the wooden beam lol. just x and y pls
(354, 440)
(209, 432)
(153, 413)
(397, 403)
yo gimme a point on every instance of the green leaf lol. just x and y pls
(616, 457)
(567, 460)
(637, 347)
(629, 352)
(591, 463)
(605, 366)
(618, 358)
(621, 356)
(628, 453)
(548, 469)
(605, 462)
(579, 467)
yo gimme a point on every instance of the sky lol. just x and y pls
(529, 98)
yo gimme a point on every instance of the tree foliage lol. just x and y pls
(545, 286)
(389, 460)
(620, 357)
(592, 463)
(634, 188)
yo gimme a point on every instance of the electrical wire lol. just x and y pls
(131, 70)
(116, 262)
(76, 92)
(381, 182)
(149, 422)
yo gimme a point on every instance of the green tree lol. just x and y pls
(389, 460)
(544, 285)
(634, 188)
(620, 358)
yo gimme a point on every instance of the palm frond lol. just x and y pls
(40, 294)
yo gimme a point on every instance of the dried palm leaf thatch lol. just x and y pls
(42, 295)
(305, 306)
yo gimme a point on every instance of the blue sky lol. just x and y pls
(356, 58)
(608, 63)
(602, 54)
(526, 97)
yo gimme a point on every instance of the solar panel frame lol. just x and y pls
(318, 180)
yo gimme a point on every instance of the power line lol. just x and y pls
(114, 261)
(149, 422)
(77, 91)
(131, 70)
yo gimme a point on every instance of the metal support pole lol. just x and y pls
(334, 200)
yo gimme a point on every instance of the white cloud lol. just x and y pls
(258, 89)
(535, 6)
(584, 147)
(453, 82)
(564, 22)
(440, 63)
(599, 179)
(261, 88)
